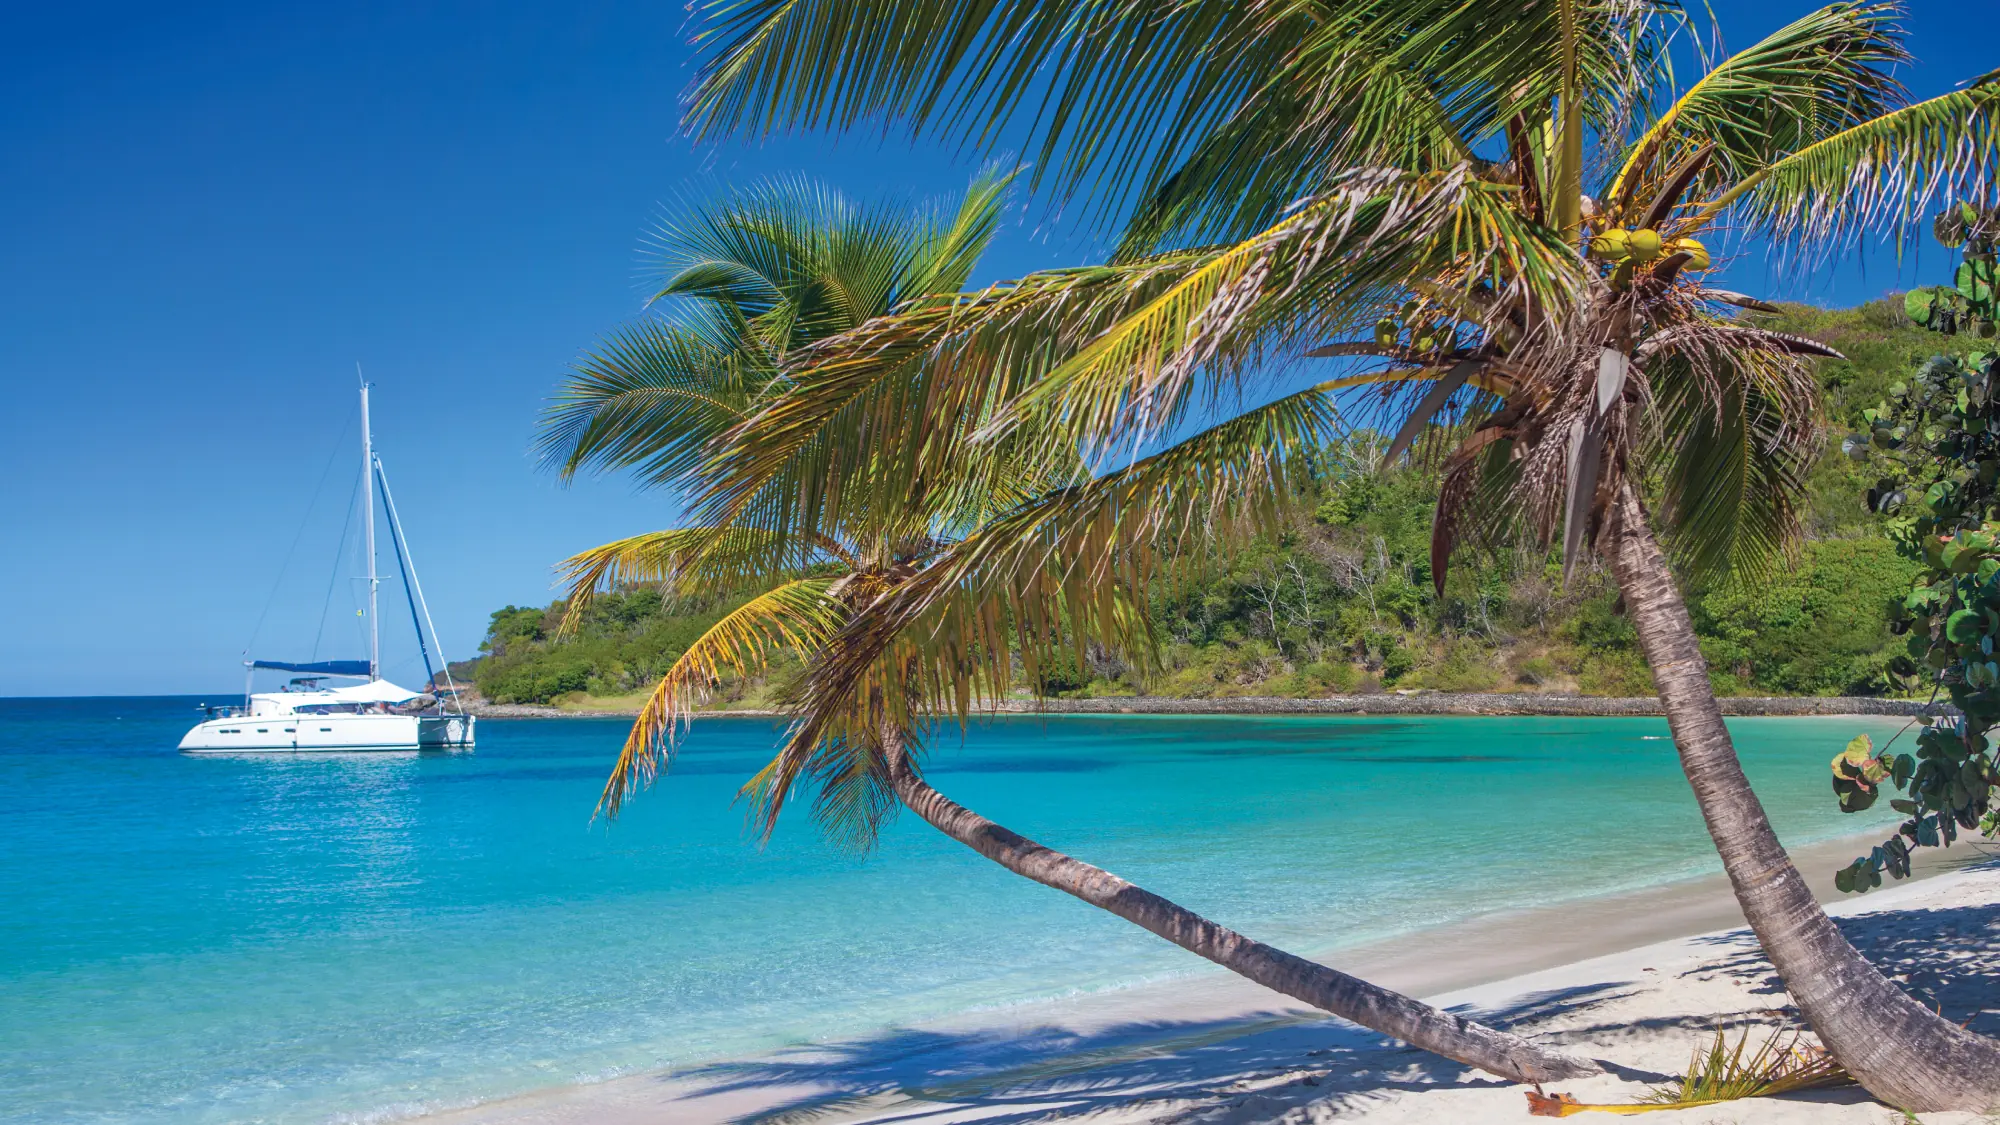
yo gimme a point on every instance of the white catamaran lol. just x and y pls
(373, 714)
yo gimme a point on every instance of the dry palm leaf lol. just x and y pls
(1721, 1073)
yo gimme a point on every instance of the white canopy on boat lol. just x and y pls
(378, 691)
(284, 702)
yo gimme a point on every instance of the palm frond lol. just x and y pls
(944, 257)
(767, 269)
(797, 616)
(1102, 82)
(1404, 377)
(793, 257)
(1407, 85)
(1566, 180)
(1782, 1064)
(1882, 175)
(1280, 144)
(1739, 432)
(1127, 98)
(853, 795)
(1333, 265)
(714, 560)
(1057, 574)
(1823, 73)
(883, 415)
(795, 261)
(649, 398)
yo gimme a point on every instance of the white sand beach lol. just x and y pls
(1636, 981)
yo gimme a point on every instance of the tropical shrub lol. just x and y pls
(1936, 439)
(1817, 629)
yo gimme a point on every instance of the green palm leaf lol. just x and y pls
(1332, 266)
(1101, 82)
(693, 561)
(1140, 98)
(1885, 173)
(794, 259)
(872, 414)
(650, 398)
(1823, 73)
(1741, 433)
(1411, 86)
(767, 269)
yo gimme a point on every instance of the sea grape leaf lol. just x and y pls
(1964, 627)
(1856, 773)
(1917, 304)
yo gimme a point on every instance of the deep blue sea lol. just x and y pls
(346, 938)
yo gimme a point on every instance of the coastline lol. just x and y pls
(1208, 1047)
(1383, 703)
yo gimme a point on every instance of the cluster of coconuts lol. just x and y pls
(1634, 248)
(1424, 336)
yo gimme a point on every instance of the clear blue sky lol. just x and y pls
(212, 212)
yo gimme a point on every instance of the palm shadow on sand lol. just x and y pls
(1263, 1064)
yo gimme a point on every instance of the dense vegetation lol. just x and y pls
(625, 643)
(1343, 600)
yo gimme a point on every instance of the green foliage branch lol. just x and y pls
(1938, 436)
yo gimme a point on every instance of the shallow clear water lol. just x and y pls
(346, 938)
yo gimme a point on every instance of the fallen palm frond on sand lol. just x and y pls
(1782, 1065)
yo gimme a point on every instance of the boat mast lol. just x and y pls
(368, 523)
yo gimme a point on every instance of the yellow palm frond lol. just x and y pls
(796, 616)
(688, 560)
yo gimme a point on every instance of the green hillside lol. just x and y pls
(1342, 600)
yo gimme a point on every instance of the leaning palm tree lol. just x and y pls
(814, 543)
(1309, 181)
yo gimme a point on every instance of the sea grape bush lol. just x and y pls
(1968, 304)
(1939, 436)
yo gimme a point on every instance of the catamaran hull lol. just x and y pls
(287, 734)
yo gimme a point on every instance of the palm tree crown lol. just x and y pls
(749, 282)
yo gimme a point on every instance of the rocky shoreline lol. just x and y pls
(1385, 703)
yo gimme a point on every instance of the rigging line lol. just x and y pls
(339, 546)
(414, 585)
(304, 520)
(403, 568)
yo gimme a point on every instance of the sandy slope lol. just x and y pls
(1213, 1050)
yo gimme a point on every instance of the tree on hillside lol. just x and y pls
(1401, 180)
(811, 545)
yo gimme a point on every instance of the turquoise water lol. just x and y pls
(354, 938)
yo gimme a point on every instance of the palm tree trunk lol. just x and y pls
(1900, 1051)
(1350, 998)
